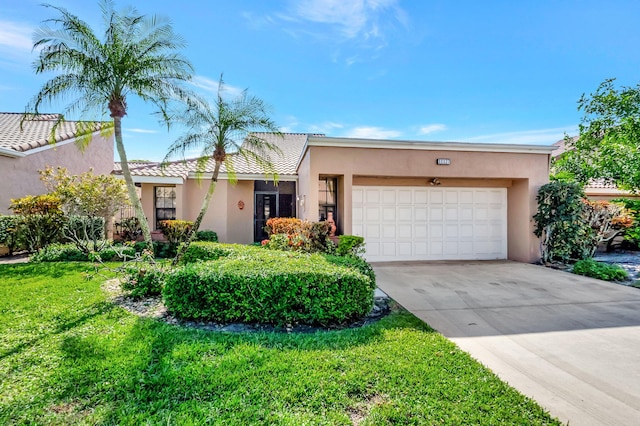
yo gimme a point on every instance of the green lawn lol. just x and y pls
(67, 356)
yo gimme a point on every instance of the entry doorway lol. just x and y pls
(266, 207)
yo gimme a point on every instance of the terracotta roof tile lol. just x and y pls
(35, 131)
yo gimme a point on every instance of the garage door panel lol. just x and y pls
(424, 223)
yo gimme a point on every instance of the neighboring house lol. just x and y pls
(597, 189)
(410, 200)
(25, 151)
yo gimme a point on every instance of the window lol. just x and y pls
(165, 203)
(327, 197)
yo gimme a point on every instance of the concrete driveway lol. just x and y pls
(571, 343)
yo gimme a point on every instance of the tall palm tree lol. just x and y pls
(224, 133)
(136, 55)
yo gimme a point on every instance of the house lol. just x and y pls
(597, 189)
(410, 200)
(25, 151)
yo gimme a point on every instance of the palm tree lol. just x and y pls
(137, 55)
(224, 133)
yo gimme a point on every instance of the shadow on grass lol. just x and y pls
(77, 319)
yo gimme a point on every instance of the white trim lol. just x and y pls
(52, 145)
(5, 152)
(427, 145)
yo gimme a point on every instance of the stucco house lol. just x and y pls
(410, 200)
(25, 151)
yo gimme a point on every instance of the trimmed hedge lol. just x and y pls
(269, 287)
(202, 251)
(353, 262)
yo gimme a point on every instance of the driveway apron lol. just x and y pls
(571, 343)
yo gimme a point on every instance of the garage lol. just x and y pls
(430, 223)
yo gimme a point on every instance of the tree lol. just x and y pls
(137, 55)
(223, 132)
(85, 198)
(609, 137)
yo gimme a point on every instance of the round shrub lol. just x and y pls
(269, 287)
(142, 279)
(207, 235)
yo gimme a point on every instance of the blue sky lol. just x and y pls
(490, 71)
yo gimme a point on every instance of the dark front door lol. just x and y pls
(266, 207)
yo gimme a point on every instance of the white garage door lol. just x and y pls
(425, 223)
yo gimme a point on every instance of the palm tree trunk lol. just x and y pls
(203, 211)
(131, 188)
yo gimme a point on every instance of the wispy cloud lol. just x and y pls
(146, 131)
(530, 137)
(15, 36)
(209, 85)
(372, 132)
(367, 22)
(431, 128)
(327, 128)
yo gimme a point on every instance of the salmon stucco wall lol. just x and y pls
(240, 221)
(20, 175)
(521, 173)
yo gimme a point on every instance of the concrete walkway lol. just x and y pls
(571, 343)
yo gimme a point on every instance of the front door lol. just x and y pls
(266, 208)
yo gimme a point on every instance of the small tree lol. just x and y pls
(606, 220)
(219, 130)
(89, 201)
(560, 223)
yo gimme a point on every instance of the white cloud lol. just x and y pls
(363, 20)
(15, 36)
(134, 130)
(209, 85)
(527, 137)
(371, 132)
(326, 128)
(431, 128)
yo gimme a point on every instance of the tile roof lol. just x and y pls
(285, 163)
(35, 131)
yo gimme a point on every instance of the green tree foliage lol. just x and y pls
(607, 146)
(135, 55)
(565, 234)
(85, 198)
(40, 220)
(222, 129)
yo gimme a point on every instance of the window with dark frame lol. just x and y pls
(327, 197)
(165, 203)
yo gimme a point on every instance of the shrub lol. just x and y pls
(9, 233)
(203, 251)
(70, 252)
(631, 232)
(40, 220)
(353, 262)
(566, 235)
(600, 270)
(143, 279)
(129, 229)
(284, 225)
(175, 231)
(350, 245)
(207, 235)
(87, 233)
(269, 287)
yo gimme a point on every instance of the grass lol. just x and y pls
(67, 356)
